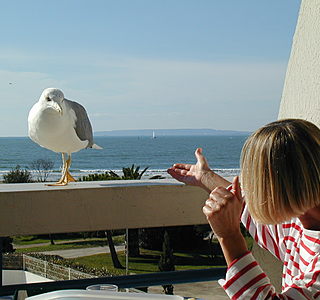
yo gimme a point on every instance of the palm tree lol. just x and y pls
(114, 256)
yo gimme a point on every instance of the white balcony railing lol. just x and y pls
(36, 208)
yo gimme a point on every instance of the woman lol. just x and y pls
(279, 204)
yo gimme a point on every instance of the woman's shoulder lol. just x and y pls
(294, 225)
(294, 228)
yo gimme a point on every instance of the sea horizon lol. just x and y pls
(158, 154)
(159, 132)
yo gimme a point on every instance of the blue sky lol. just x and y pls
(137, 64)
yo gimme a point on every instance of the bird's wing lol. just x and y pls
(82, 126)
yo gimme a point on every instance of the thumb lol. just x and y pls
(200, 157)
(236, 188)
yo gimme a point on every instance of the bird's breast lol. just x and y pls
(47, 121)
(54, 131)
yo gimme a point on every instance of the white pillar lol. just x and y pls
(301, 93)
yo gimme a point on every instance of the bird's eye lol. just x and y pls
(48, 99)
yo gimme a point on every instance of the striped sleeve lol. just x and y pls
(246, 280)
(267, 236)
(244, 277)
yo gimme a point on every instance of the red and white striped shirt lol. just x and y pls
(296, 247)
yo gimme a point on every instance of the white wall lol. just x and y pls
(301, 93)
(20, 277)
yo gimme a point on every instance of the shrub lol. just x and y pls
(43, 168)
(17, 175)
(108, 175)
(58, 260)
(129, 173)
(133, 173)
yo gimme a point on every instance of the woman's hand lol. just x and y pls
(223, 209)
(198, 175)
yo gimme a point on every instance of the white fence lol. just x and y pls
(51, 270)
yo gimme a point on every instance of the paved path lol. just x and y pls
(73, 253)
(48, 243)
(208, 290)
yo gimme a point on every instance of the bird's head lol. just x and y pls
(53, 98)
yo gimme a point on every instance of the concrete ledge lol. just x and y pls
(36, 208)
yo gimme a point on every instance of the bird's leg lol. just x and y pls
(63, 179)
(68, 176)
(63, 173)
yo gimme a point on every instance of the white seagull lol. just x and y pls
(62, 126)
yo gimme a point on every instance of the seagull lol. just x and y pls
(60, 125)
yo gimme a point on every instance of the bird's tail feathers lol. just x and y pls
(95, 146)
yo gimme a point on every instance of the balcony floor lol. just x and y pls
(208, 290)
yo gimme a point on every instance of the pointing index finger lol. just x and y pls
(236, 187)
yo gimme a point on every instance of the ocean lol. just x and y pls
(158, 154)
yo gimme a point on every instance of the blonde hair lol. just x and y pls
(280, 170)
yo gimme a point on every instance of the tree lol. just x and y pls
(133, 243)
(166, 262)
(17, 175)
(152, 238)
(182, 237)
(51, 237)
(115, 260)
(43, 168)
(6, 244)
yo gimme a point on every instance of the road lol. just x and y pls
(73, 253)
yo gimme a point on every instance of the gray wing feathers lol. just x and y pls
(83, 126)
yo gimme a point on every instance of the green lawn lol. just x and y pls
(64, 245)
(28, 240)
(148, 262)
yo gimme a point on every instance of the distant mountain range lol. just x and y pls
(170, 132)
